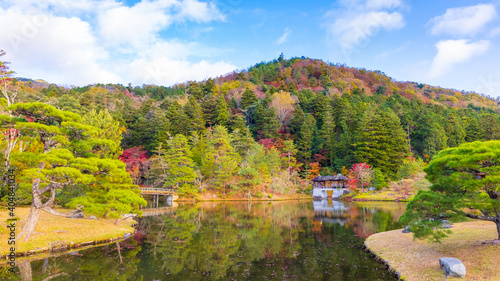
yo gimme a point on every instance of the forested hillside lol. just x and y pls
(273, 124)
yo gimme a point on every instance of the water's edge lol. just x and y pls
(394, 272)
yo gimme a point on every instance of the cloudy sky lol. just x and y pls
(448, 43)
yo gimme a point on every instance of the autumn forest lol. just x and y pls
(261, 131)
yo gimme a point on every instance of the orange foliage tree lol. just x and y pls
(313, 170)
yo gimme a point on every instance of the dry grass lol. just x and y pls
(419, 259)
(386, 195)
(52, 228)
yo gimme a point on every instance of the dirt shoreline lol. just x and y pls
(409, 259)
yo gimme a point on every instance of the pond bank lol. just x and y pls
(419, 259)
(386, 196)
(55, 233)
(210, 198)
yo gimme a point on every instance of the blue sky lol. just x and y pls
(453, 44)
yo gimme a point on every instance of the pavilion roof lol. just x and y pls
(337, 177)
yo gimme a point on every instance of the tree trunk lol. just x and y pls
(25, 270)
(498, 228)
(37, 206)
(119, 252)
(30, 223)
(45, 265)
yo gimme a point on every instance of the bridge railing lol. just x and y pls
(157, 189)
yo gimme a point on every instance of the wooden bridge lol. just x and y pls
(171, 194)
(157, 191)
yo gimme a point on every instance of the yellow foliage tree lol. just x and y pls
(284, 104)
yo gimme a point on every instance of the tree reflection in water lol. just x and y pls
(300, 240)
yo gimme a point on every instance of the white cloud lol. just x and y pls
(199, 11)
(353, 31)
(359, 20)
(58, 49)
(135, 25)
(167, 71)
(88, 41)
(59, 7)
(284, 37)
(494, 32)
(452, 52)
(383, 4)
(463, 21)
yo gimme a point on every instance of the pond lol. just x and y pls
(293, 240)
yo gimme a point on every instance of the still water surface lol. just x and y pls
(295, 240)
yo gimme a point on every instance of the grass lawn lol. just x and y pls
(419, 259)
(386, 195)
(51, 228)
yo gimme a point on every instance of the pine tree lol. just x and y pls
(67, 159)
(297, 119)
(194, 90)
(174, 166)
(465, 183)
(178, 122)
(194, 114)
(490, 127)
(397, 145)
(372, 146)
(268, 99)
(208, 106)
(110, 129)
(306, 138)
(220, 161)
(173, 111)
(242, 139)
(327, 133)
(248, 98)
(222, 114)
(157, 124)
(454, 130)
(260, 117)
(163, 134)
(382, 141)
(198, 147)
(473, 130)
(210, 87)
(436, 140)
(271, 124)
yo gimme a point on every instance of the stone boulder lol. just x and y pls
(347, 191)
(452, 267)
(93, 218)
(446, 224)
(407, 229)
(77, 216)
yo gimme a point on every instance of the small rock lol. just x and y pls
(391, 194)
(446, 224)
(93, 218)
(407, 229)
(347, 191)
(452, 267)
(77, 216)
(371, 188)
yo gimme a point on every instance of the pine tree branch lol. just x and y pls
(484, 218)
